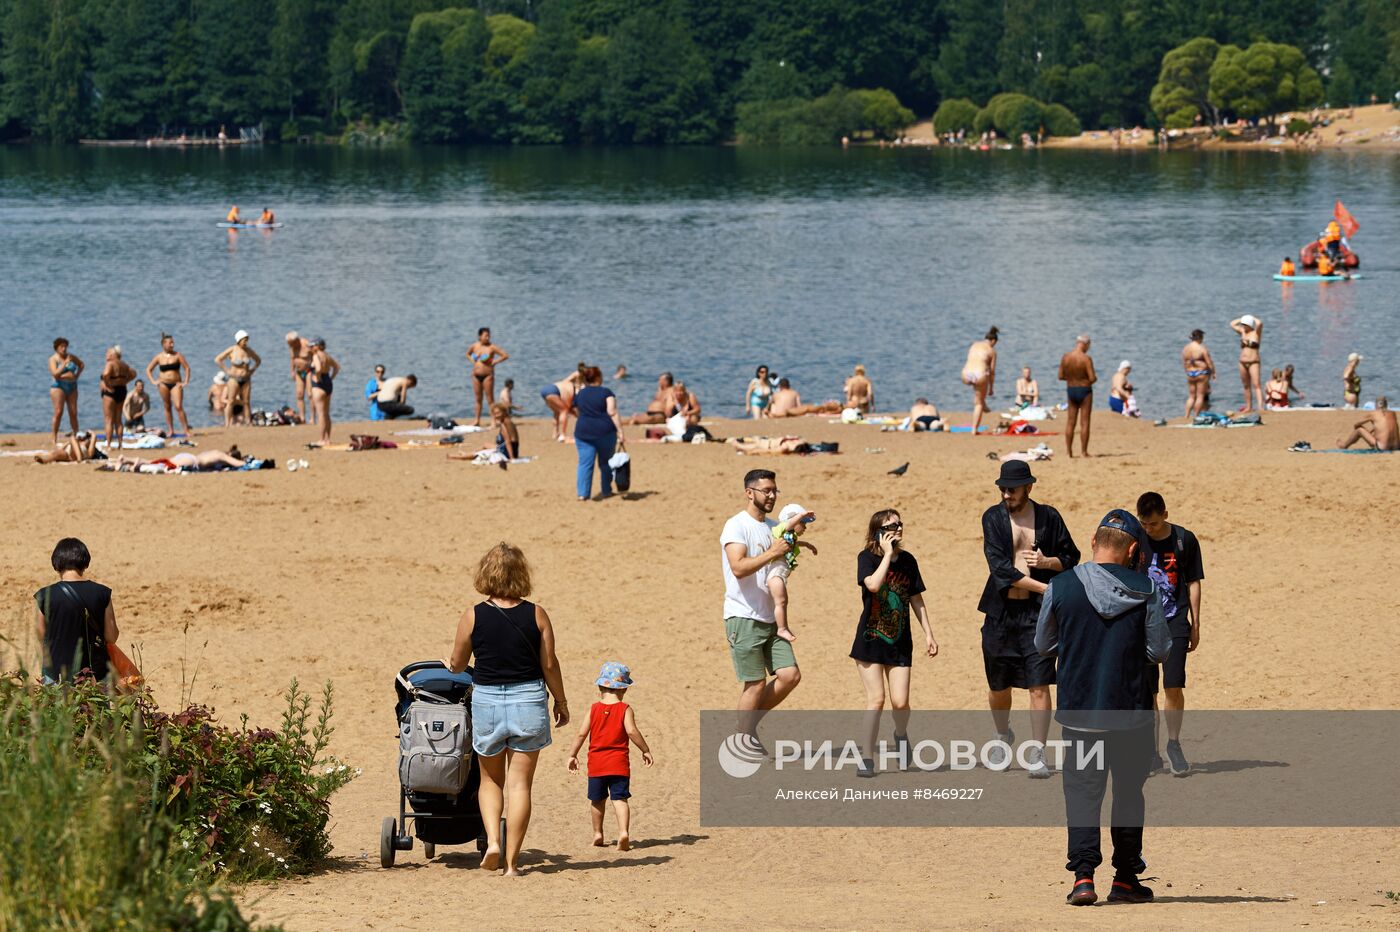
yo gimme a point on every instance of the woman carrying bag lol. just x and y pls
(597, 432)
(66, 614)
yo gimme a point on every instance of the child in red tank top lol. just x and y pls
(610, 726)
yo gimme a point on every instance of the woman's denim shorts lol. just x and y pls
(514, 716)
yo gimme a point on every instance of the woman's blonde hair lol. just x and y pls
(503, 573)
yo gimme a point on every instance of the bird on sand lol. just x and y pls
(899, 470)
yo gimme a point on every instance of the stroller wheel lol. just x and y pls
(387, 833)
(429, 850)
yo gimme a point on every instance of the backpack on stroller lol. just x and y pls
(438, 773)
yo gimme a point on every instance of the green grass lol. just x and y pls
(86, 846)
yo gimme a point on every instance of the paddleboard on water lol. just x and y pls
(250, 226)
(1313, 278)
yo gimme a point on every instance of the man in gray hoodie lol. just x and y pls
(1104, 621)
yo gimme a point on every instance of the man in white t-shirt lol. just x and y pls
(754, 646)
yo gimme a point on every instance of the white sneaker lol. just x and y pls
(291, 465)
(999, 757)
(1036, 767)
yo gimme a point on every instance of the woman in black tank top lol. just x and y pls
(505, 643)
(512, 643)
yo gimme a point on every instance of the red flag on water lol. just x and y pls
(1347, 221)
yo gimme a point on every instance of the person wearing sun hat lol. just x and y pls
(1351, 381)
(1026, 543)
(1103, 621)
(610, 726)
(242, 363)
(1251, 331)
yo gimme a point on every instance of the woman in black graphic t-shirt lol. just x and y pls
(74, 616)
(891, 593)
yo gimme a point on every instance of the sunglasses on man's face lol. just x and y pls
(763, 492)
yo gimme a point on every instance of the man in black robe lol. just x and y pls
(1026, 544)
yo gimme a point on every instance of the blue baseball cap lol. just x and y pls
(614, 676)
(1120, 520)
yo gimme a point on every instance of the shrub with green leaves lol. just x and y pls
(955, 114)
(87, 844)
(244, 803)
(839, 112)
(1059, 121)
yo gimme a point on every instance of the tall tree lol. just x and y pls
(659, 86)
(23, 37)
(64, 103)
(1182, 91)
(1263, 80)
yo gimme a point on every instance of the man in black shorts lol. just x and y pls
(1176, 569)
(1026, 544)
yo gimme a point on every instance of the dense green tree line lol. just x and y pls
(629, 71)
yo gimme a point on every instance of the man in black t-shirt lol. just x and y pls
(74, 617)
(1176, 568)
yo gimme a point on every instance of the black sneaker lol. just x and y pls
(1129, 890)
(1083, 893)
(901, 746)
(1157, 764)
(1180, 765)
(866, 768)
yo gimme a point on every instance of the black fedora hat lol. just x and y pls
(1014, 474)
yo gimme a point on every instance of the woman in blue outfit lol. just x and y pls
(597, 432)
(511, 641)
(64, 369)
(758, 394)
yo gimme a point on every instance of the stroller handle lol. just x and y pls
(402, 677)
(411, 690)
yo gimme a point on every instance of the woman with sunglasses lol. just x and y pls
(891, 590)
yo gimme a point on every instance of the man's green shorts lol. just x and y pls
(756, 649)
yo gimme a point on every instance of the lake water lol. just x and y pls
(702, 261)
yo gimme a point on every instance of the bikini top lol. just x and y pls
(70, 366)
(169, 366)
(244, 363)
(483, 357)
(1248, 344)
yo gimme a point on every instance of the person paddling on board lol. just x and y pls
(1286, 269)
(1326, 268)
(268, 218)
(233, 215)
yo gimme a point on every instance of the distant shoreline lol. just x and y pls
(1376, 126)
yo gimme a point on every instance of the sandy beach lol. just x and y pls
(362, 563)
(1372, 127)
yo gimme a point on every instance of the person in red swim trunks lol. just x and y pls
(610, 726)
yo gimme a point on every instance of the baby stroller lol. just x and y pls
(438, 773)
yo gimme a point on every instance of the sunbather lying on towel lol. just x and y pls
(203, 461)
(81, 447)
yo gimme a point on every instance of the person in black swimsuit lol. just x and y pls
(170, 384)
(115, 376)
(324, 369)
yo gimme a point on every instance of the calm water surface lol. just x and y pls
(702, 261)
